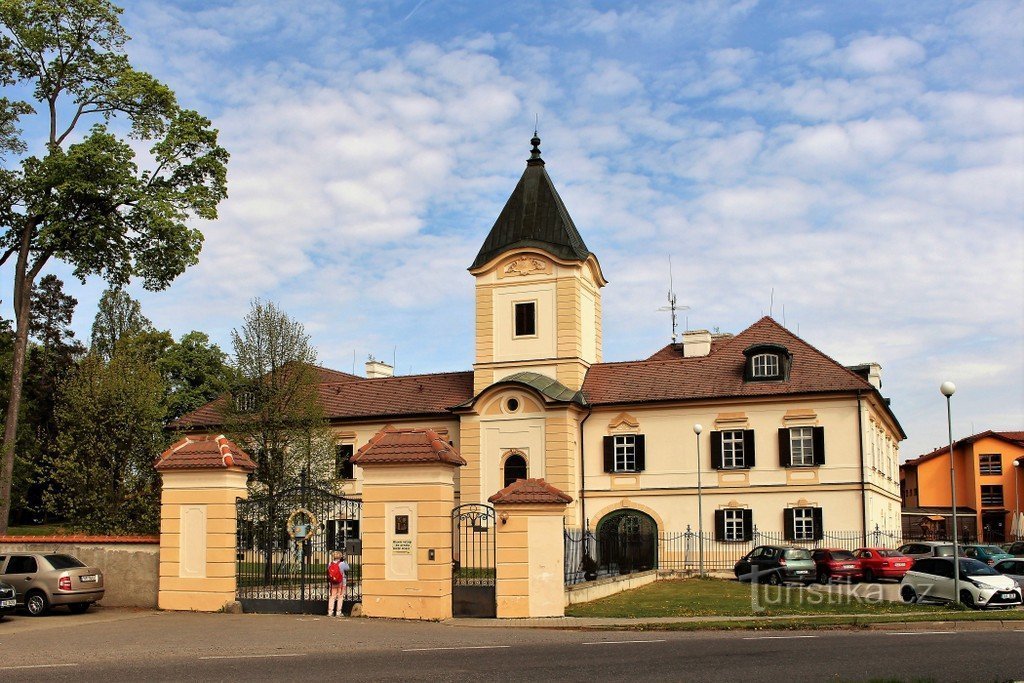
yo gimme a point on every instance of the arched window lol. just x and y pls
(515, 468)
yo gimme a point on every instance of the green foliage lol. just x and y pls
(118, 316)
(110, 418)
(273, 411)
(195, 372)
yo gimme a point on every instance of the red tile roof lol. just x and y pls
(204, 453)
(525, 491)
(1013, 437)
(720, 373)
(392, 446)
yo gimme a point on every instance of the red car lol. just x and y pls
(835, 563)
(883, 563)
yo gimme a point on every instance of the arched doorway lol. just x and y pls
(514, 468)
(627, 541)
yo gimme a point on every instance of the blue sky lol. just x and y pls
(863, 160)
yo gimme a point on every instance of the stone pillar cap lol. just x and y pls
(391, 446)
(529, 491)
(205, 452)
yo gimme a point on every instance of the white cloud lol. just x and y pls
(881, 54)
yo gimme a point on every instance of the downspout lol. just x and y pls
(583, 471)
(863, 478)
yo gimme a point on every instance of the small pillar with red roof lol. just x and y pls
(408, 496)
(530, 551)
(202, 478)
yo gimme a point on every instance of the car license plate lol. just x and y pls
(88, 578)
(849, 566)
(900, 564)
(8, 603)
(803, 571)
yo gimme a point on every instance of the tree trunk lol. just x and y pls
(22, 311)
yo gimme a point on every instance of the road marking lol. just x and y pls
(34, 666)
(623, 642)
(776, 637)
(921, 633)
(291, 654)
(467, 647)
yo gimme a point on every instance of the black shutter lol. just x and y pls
(819, 445)
(719, 525)
(716, 450)
(788, 527)
(785, 459)
(641, 460)
(748, 525)
(819, 531)
(748, 448)
(609, 454)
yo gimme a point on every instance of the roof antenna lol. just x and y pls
(672, 307)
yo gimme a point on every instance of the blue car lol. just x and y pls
(989, 554)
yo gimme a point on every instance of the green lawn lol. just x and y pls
(716, 597)
(38, 530)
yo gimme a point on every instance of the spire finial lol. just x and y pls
(535, 141)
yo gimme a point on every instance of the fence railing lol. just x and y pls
(588, 556)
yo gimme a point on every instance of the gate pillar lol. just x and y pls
(408, 496)
(530, 549)
(201, 479)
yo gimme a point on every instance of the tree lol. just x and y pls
(86, 198)
(118, 316)
(195, 372)
(273, 410)
(110, 419)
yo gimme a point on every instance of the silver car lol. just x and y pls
(919, 549)
(43, 580)
(1014, 568)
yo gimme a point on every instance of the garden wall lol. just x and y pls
(130, 564)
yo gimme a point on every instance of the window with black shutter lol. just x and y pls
(785, 459)
(625, 453)
(788, 526)
(731, 525)
(748, 525)
(343, 461)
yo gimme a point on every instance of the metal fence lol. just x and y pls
(589, 556)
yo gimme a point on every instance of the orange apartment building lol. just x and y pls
(989, 489)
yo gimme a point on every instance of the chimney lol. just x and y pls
(875, 375)
(696, 343)
(376, 368)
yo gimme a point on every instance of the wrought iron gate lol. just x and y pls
(473, 561)
(284, 543)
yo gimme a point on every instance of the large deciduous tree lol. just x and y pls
(118, 316)
(84, 196)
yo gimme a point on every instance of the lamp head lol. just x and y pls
(697, 428)
(947, 389)
(1016, 463)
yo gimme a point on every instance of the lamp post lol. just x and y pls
(1016, 500)
(948, 389)
(697, 429)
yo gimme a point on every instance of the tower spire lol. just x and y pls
(535, 159)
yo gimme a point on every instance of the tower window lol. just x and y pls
(526, 318)
(515, 468)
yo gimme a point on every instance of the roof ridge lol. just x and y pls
(422, 374)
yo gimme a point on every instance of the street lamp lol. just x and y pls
(697, 429)
(948, 389)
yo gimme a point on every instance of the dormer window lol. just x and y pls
(765, 366)
(766, 362)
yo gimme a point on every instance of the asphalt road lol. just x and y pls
(121, 645)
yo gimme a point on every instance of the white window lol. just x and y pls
(801, 446)
(765, 365)
(732, 449)
(803, 524)
(625, 453)
(734, 525)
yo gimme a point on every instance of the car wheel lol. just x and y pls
(79, 607)
(967, 598)
(36, 603)
(908, 594)
(869, 576)
(823, 578)
(774, 579)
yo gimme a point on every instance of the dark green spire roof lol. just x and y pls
(534, 216)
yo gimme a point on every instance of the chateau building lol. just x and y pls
(792, 441)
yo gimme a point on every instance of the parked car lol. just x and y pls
(43, 580)
(989, 554)
(1013, 567)
(776, 564)
(1016, 549)
(833, 563)
(931, 578)
(8, 599)
(919, 549)
(883, 563)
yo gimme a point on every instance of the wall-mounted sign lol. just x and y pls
(401, 524)
(401, 547)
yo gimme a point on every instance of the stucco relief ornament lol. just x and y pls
(525, 266)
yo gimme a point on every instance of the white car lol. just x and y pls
(980, 585)
(1013, 568)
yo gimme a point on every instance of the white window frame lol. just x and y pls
(733, 455)
(733, 524)
(801, 446)
(765, 365)
(625, 453)
(803, 524)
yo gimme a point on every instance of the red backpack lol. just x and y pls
(334, 572)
